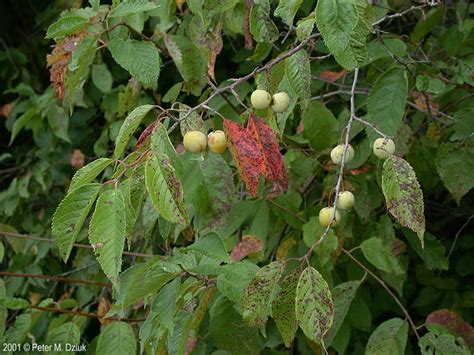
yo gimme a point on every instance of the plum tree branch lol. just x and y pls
(56, 278)
(85, 314)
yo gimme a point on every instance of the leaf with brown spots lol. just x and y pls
(256, 151)
(258, 295)
(313, 305)
(283, 308)
(248, 245)
(403, 195)
(454, 323)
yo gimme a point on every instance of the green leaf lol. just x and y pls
(70, 216)
(305, 26)
(3, 310)
(117, 338)
(95, 4)
(283, 307)
(2, 251)
(161, 144)
(14, 303)
(427, 23)
(298, 72)
(343, 295)
(18, 332)
(165, 190)
(386, 102)
(66, 25)
(88, 173)
(193, 122)
(287, 10)
(258, 295)
(321, 128)
(262, 27)
(189, 60)
(21, 122)
(212, 246)
(165, 303)
(132, 7)
(140, 58)
(232, 279)
(455, 166)
(433, 253)
(18, 245)
(107, 231)
(344, 26)
(389, 338)
(102, 78)
(439, 342)
(173, 93)
(314, 305)
(63, 336)
(129, 126)
(380, 253)
(403, 195)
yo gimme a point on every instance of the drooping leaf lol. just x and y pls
(454, 323)
(22, 121)
(129, 126)
(283, 307)
(107, 231)
(262, 26)
(313, 304)
(140, 58)
(63, 336)
(161, 144)
(258, 295)
(287, 10)
(403, 195)
(383, 254)
(255, 150)
(389, 338)
(132, 7)
(17, 333)
(117, 338)
(298, 73)
(70, 216)
(343, 295)
(247, 245)
(165, 303)
(386, 102)
(88, 173)
(165, 190)
(455, 165)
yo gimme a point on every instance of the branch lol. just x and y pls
(235, 82)
(31, 237)
(382, 283)
(371, 125)
(85, 314)
(399, 14)
(56, 278)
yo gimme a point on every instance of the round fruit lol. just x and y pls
(195, 141)
(325, 216)
(260, 99)
(345, 200)
(217, 142)
(336, 154)
(384, 147)
(280, 102)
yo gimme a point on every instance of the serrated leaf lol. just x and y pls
(70, 216)
(256, 151)
(262, 26)
(102, 78)
(67, 333)
(107, 231)
(380, 253)
(386, 102)
(343, 295)
(212, 246)
(140, 58)
(256, 303)
(161, 144)
(14, 303)
(88, 173)
(117, 338)
(165, 190)
(313, 304)
(389, 338)
(132, 7)
(455, 166)
(298, 73)
(283, 307)
(129, 126)
(66, 25)
(403, 194)
(287, 10)
(18, 332)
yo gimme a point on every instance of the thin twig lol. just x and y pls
(458, 233)
(56, 278)
(371, 125)
(399, 14)
(85, 314)
(386, 288)
(31, 237)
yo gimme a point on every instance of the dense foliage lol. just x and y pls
(118, 236)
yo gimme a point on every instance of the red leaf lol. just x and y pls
(248, 245)
(332, 76)
(256, 151)
(145, 134)
(454, 323)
